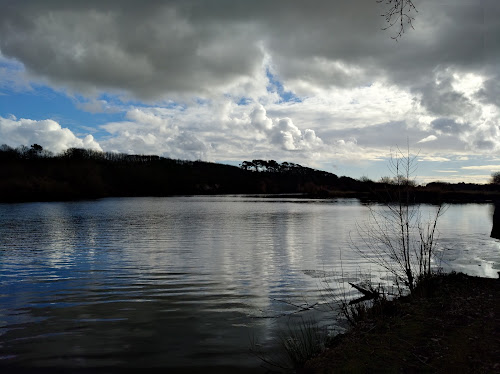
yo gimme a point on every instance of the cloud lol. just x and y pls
(259, 119)
(440, 98)
(12, 76)
(434, 159)
(490, 91)
(429, 138)
(481, 167)
(285, 134)
(156, 49)
(94, 105)
(384, 135)
(233, 132)
(449, 126)
(146, 50)
(47, 133)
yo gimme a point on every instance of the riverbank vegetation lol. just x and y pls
(450, 323)
(31, 174)
(34, 174)
(397, 237)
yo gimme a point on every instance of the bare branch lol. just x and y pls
(398, 13)
(395, 236)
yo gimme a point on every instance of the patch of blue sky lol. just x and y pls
(276, 86)
(201, 101)
(45, 103)
(10, 64)
(239, 100)
(244, 101)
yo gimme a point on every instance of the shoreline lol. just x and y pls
(451, 324)
(445, 198)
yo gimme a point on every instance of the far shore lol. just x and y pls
(32, 174)
(423, 198)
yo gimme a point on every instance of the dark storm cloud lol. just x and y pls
(162, 47)
(146, 50)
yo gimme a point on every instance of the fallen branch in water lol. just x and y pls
(369, 294)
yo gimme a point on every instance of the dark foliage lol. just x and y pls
(495, 177)
(28, 174)
(34, 174)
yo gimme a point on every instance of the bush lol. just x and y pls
(396, 237)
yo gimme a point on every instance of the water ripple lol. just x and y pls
(165, 281)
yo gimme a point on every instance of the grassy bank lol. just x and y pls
(451, 324)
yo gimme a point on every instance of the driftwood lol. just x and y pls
(369, 294)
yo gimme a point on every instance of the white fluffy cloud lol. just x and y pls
(228, 132)
(482, 167)
(284, 133)
(429, 138)
(54, 138)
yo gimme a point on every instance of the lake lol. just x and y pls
(188, 282)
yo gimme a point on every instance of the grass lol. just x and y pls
(302, 342)
(297, 342)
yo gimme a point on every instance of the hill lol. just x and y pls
(33, 174)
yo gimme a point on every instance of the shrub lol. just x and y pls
(396, 237)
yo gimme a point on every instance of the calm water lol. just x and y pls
(184, 281)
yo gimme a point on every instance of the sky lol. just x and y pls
(319, 82)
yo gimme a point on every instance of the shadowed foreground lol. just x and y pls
(451, 326)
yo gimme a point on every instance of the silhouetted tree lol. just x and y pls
(495, 178)
(8, 153)
(495, 230)
(273, 166)
(365, 179)
(248, 165)
(37, 148)
(35, 151)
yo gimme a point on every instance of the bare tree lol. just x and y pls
(396, 237)
(398, 13)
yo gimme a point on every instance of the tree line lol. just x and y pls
(32, 173)
(272, 166)
(35, 174)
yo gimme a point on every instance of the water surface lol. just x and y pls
(185, 281)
